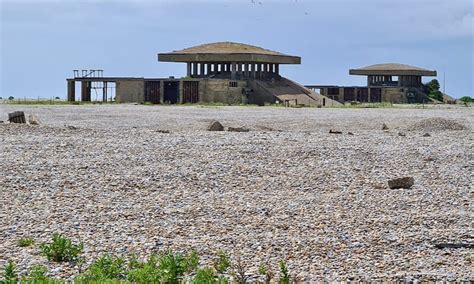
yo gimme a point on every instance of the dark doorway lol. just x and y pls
(363, 95)
(171, 92)
(375, 95)
(190, 92)
(152, 92)
(349, 94)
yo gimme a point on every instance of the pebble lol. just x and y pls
(318, 201)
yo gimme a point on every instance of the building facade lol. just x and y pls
(391, 82)
(224, 72)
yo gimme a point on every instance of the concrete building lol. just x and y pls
(391, 82)
(225, 72)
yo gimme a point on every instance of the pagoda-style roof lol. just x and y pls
(221, 52)
(392, 69)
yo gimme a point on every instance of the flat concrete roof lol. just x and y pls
(104, 79)
(226, 52)
(392, 69)
(115, 79)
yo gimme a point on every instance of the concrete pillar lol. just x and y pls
(180, 88)
(216, 68)
(369, 99)
(341, 94)
(208, 67)
(254, 74)
(71, 90)
(202, 73)
(104, 91)
(85, 91)
(162, 92)
(195, 70)
(259, 70)
(233, 70)
(239, 70)
(188, 72)
(277, 69)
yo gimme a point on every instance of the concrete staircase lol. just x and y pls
(287, 92)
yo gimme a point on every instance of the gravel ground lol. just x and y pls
(285, 190)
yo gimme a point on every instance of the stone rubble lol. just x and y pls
(33, 120)
(404, 182)
(317, 200)
(237, 129)
(436, 124)
(215, 126)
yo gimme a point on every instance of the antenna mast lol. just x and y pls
(444, 82)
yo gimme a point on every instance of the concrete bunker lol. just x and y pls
(390, 82)
(225, 72)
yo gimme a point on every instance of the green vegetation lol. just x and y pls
(61, 249)
(433, 90)
(365, 105)
(222, 263)
(9, 274)
(38, 275)
(264, 271)
(167, 267)
(41, 102)
(25, 242)
(106, 268)
(163, 268)
(467, 99)
(50, 101)
(285, 276)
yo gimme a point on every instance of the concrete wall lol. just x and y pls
(260, 94)
(219, 90)
(128, 91)
(394, 95)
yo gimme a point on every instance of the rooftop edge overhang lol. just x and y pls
(229, 57)
(392, 72)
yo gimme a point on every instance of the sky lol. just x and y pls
(43, 41)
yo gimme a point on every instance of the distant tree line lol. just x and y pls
(467, 99)
(432, 89)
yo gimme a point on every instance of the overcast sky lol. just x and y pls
(43, 41)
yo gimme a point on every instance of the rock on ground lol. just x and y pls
(33, 120)
(215, 126)
(238, 129)
(404, 182)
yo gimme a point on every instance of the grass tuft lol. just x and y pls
(61, 249)
(25, 242)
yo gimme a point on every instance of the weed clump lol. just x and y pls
(25, 242)
(167, 267)
(9, 273)
(61, 249)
